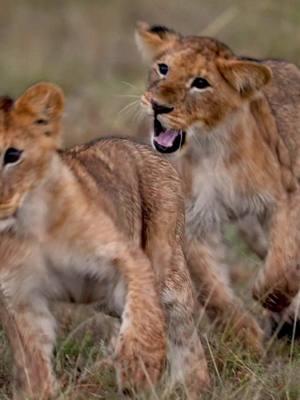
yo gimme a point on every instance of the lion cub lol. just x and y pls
(91, 224)
(233, 134)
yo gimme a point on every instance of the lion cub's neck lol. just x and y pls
(231, 171)
(247, 148)
(230, 143)
(237, 133)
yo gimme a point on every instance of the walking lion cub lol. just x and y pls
(231, 126)
(91, 224)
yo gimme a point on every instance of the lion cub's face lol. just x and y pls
(195, 83)
(29, 135)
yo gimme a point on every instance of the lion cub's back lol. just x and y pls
(125, 178)
(284, 98)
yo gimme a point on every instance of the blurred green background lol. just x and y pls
(87, 46)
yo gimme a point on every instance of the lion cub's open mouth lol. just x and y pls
(167, 140)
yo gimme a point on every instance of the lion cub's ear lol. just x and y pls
(247, 77)
(44, 101)
(153, 40)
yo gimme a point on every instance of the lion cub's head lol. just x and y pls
(195, 83)
(29, 136)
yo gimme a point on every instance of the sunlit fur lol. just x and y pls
(240, 157)
(92, 224)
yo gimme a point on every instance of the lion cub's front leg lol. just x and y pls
(26, 319)
(26, 287)
(279, 281)
(141, 347)
(31, 334)
(219, 300)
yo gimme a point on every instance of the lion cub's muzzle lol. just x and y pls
(160, 108)
(9, 208)
(167, 140)
(7, 218)
(7, 212)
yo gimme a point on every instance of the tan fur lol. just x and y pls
(92, 224)
(240, 157)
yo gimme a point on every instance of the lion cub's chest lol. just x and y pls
(84, 277)
(217, 196)
(212, 191)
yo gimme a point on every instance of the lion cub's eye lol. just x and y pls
(163, 69)
(200, 83)
(12, 155)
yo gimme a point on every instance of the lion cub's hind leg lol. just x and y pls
(188, 366)
(186, 355)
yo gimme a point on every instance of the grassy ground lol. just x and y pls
(236, 374)
(87, 47)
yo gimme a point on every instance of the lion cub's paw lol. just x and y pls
(197, 381)
(274, 300)
(140, 358)
(284, 325)
(249, 333)
(277, 291)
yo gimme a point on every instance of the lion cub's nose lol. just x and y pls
(161, 108)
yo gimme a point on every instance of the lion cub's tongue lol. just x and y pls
(166, 138)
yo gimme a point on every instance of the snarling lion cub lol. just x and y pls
(234, 135)
(91, 224)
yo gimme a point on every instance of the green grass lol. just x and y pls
(236, 374)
